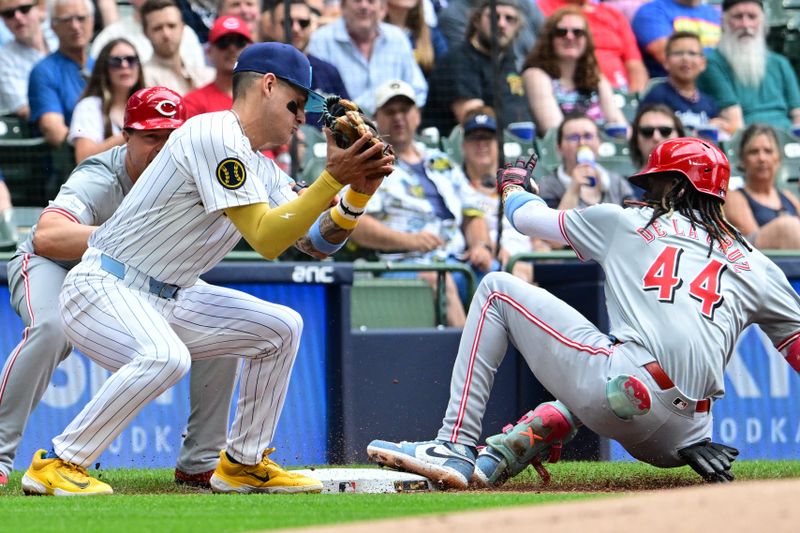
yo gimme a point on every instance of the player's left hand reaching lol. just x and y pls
(711, 460)
(520, 174)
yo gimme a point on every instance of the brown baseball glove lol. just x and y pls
(348, 122)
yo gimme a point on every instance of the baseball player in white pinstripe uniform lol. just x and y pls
(36, 273)
(136, 306)
(681, 284)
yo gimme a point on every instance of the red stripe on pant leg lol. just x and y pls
(13, 358)
(593, 350)
(462, 407)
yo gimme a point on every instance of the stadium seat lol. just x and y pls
(549, 159)
(33, 170)
(12, 127)
(392, 303)
(628, 103)
(315, 157)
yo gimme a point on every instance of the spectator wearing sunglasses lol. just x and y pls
(615, 44)
(655, 21)
(652, 124)
(98, 119)
(57, 81)
(580, 181)
(32, 41)
(685, 61)
(228, 37)
(303, 21)
(163, 26)
(130, 28)
(561, 75)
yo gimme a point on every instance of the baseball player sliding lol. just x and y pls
(135, 304)
(92, 193)
(681, 284)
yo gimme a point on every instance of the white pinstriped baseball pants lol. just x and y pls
(149, 343)
(572, 359)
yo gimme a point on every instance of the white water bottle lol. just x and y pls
(585, 156)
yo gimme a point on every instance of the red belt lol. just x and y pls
(662, 380)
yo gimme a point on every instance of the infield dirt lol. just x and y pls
(740, 507)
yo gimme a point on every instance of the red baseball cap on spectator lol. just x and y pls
(227, 25)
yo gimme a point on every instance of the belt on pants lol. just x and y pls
(665, 383)
(117, 268)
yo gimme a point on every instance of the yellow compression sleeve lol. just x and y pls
(271, 231)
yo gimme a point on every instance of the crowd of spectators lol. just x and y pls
(565, 66)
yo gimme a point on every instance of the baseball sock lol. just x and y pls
(50, 454)
(231, 459)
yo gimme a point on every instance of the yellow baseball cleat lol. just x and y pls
(266, 476)
(56, 477)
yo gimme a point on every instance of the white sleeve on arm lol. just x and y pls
(535, 219)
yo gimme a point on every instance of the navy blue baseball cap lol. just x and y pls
(480, 122)
(286, 62)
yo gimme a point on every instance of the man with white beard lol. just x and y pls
(750, 83)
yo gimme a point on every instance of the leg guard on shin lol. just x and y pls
(538, 436)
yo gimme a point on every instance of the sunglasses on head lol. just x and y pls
(648, 131)
(239, 41)
(120, 61)
(11, 12)
(563, 32)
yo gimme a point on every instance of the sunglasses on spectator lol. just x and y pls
(578, 137)
(239, 41)
(648, 131)
(72, 18)
(9, 13)
(303, 23)
(122, 61)
(563, 32)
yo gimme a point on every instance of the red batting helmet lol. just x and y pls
(703, 164)
(154, 108)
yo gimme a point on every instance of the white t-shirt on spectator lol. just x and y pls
(87, 121)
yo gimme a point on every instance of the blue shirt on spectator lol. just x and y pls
(659, 19)
(325, 79)
(55, 85)
(693, 114)
(391, 59)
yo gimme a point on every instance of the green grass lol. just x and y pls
(148, 500)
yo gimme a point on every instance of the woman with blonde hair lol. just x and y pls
(99, 115)
(428, 42)
(561, 74)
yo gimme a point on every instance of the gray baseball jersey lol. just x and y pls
(668, 302)
(90, 196)
(169, 230)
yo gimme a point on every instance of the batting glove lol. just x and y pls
(520, 174)
(711, 460)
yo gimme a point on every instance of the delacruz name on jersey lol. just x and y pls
(172, 225)
(664, 291)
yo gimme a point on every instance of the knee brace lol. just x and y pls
(627, 396)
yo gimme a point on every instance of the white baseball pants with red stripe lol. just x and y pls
(572, 359)
(150, 342)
